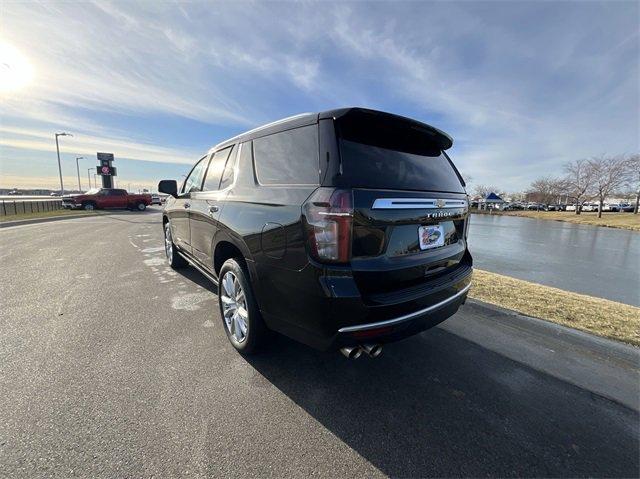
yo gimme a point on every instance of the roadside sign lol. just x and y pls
(106, 170)
(105, 157)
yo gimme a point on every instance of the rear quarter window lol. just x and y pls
(288, 158)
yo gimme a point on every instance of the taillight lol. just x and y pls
(467, 219)
(328, 215)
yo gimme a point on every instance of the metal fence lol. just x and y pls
(20, 207)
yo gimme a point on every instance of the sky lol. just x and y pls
(522, 87)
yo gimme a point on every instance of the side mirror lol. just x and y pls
(169, 187)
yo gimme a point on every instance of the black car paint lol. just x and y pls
(298, 296)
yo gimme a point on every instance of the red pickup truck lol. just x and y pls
(107, 198)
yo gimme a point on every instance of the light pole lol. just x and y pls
(89, 176)
(78, 170)
(59, 165)
(95, 181)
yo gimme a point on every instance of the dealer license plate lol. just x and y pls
(431, 236)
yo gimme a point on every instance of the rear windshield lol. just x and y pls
(369, 166)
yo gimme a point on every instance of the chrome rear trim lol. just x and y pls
(416, 203)
(406, 317)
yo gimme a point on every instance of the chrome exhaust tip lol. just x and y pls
(372, 350)
(351, 352)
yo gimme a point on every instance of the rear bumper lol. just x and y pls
(457, 297)
(324, 308)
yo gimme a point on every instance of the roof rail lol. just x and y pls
(262, 127)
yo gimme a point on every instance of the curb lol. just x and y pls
(559, 351)
(629, 351)
(7, 224)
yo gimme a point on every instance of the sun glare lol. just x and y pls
(15, 70)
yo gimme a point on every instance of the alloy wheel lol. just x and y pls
(168, 242)
(234, 307)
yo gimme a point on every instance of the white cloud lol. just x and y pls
(521, 86)
(43, 140)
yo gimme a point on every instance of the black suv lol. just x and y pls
(344, 229)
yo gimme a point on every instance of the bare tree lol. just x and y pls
(578, 181)
(546, 190)
(609, 174)
(634, 179)
(483, 190)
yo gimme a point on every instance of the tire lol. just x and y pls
(247, 334)
(89, 206)
(175, 260)
(141, 207)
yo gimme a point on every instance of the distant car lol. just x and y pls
(589, 207)
(15, 193)
(513, 207)
(107, 198)
(535, 206)
(570, 208)
(613, 207)
(551, 208)
(155, 199)
(626, 207)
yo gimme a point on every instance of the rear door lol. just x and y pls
(206, 205)
(179, 211)
(410, 206)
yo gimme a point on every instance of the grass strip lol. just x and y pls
(627, 221)
(598, 316)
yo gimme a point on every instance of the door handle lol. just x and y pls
(187, 205)
(213, 209)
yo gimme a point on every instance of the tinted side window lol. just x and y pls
(214, 173)
(244, 171)
(194, 180)
(227, 174)
(288, 158)
(117, 193)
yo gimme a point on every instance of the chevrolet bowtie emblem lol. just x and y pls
(440, 203)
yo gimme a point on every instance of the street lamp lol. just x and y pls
(59, 165)
(78, 170)
(89, 176)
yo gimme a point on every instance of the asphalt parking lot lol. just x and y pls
(112, 364)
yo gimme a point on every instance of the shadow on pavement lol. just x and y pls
(120, 215)
(198, 278)
(439, 405)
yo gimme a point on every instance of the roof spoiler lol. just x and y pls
(443, 140)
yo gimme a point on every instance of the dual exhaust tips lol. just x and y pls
(354, 352)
